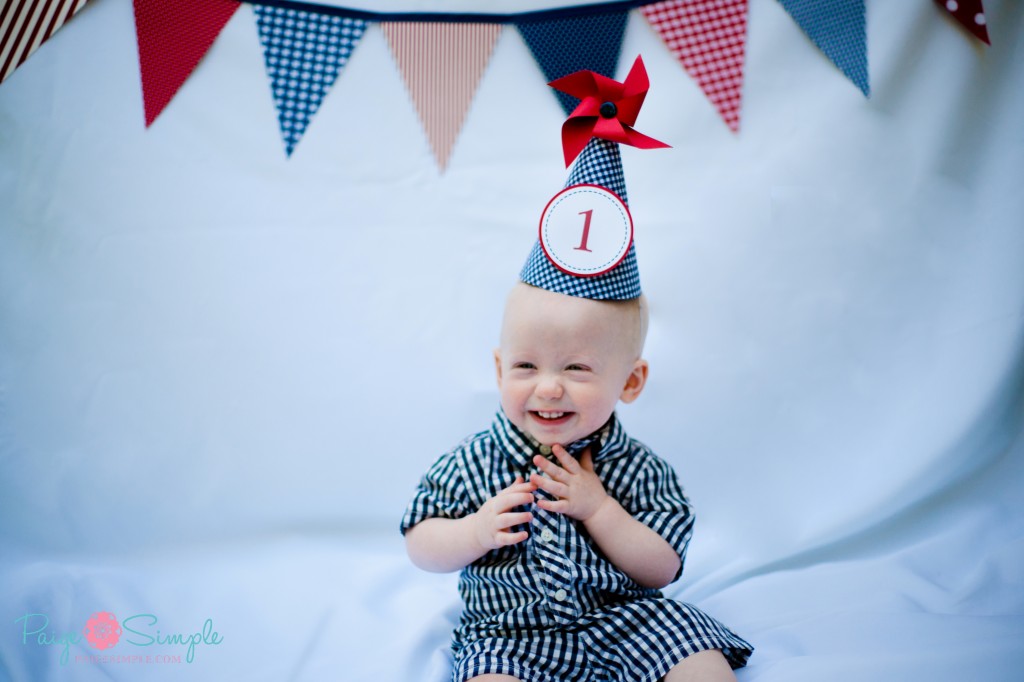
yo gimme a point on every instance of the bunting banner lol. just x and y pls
(442, 64)
(970, 14)
(304, 53)
(442, 56)
(173, 37)
(564, 45)
(24, 26)
(837, 27)
(709, 37)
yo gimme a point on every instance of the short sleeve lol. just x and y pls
(658, 502)
(441, 493)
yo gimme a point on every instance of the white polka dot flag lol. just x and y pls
(27, 24)
(709, 38)
(442, 64)
(970, 14)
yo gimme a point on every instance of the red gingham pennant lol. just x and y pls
(970, 14)
(173, 37)
(709, 38)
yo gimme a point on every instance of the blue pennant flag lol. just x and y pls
(837, 27)
(574, 43)
(304, 52)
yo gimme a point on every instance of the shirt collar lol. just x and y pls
(610, 440)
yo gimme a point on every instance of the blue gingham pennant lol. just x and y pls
(565, 45)
(837, 27)
(600, 163)
(304, 53)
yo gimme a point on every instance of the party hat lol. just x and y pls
(585, 240)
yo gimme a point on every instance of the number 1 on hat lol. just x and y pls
(586, 230)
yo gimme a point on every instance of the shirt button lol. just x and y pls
(546, 535)
(545, 449)
(560, 595)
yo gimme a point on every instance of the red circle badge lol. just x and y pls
(586, 230)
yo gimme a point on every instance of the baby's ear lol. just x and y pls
(497, 365)
(635, 381)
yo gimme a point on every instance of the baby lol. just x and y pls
(564, 527)
(563, 558)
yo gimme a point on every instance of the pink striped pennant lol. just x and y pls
(709, 38)
(27, 24)
(442, 65)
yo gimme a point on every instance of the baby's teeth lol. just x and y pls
(550, 415)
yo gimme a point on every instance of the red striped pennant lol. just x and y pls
(442, 65)
(27, 24)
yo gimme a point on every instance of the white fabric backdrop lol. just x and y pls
(204, 343)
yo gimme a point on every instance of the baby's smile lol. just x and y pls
(552, 418)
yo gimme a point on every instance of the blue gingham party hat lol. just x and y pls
(585, 239)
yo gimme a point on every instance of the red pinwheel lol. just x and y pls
(608, 109)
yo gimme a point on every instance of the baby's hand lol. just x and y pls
(494, 519)
(578, 490)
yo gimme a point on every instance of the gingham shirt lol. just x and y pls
(558, 574)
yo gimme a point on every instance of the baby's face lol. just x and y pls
(565, 362)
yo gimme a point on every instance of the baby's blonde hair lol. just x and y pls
(635, 310)
(639, 318)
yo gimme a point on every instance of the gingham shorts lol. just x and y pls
(638, 641)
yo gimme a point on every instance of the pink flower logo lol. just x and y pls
(102, 630)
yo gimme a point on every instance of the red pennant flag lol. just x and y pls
(970, 14)
(442, 65)
(709, 38)
(173, 37)
(27, 24)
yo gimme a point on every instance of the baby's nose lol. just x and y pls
(550, 388)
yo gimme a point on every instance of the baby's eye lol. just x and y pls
(523, 365)
(577, 368)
